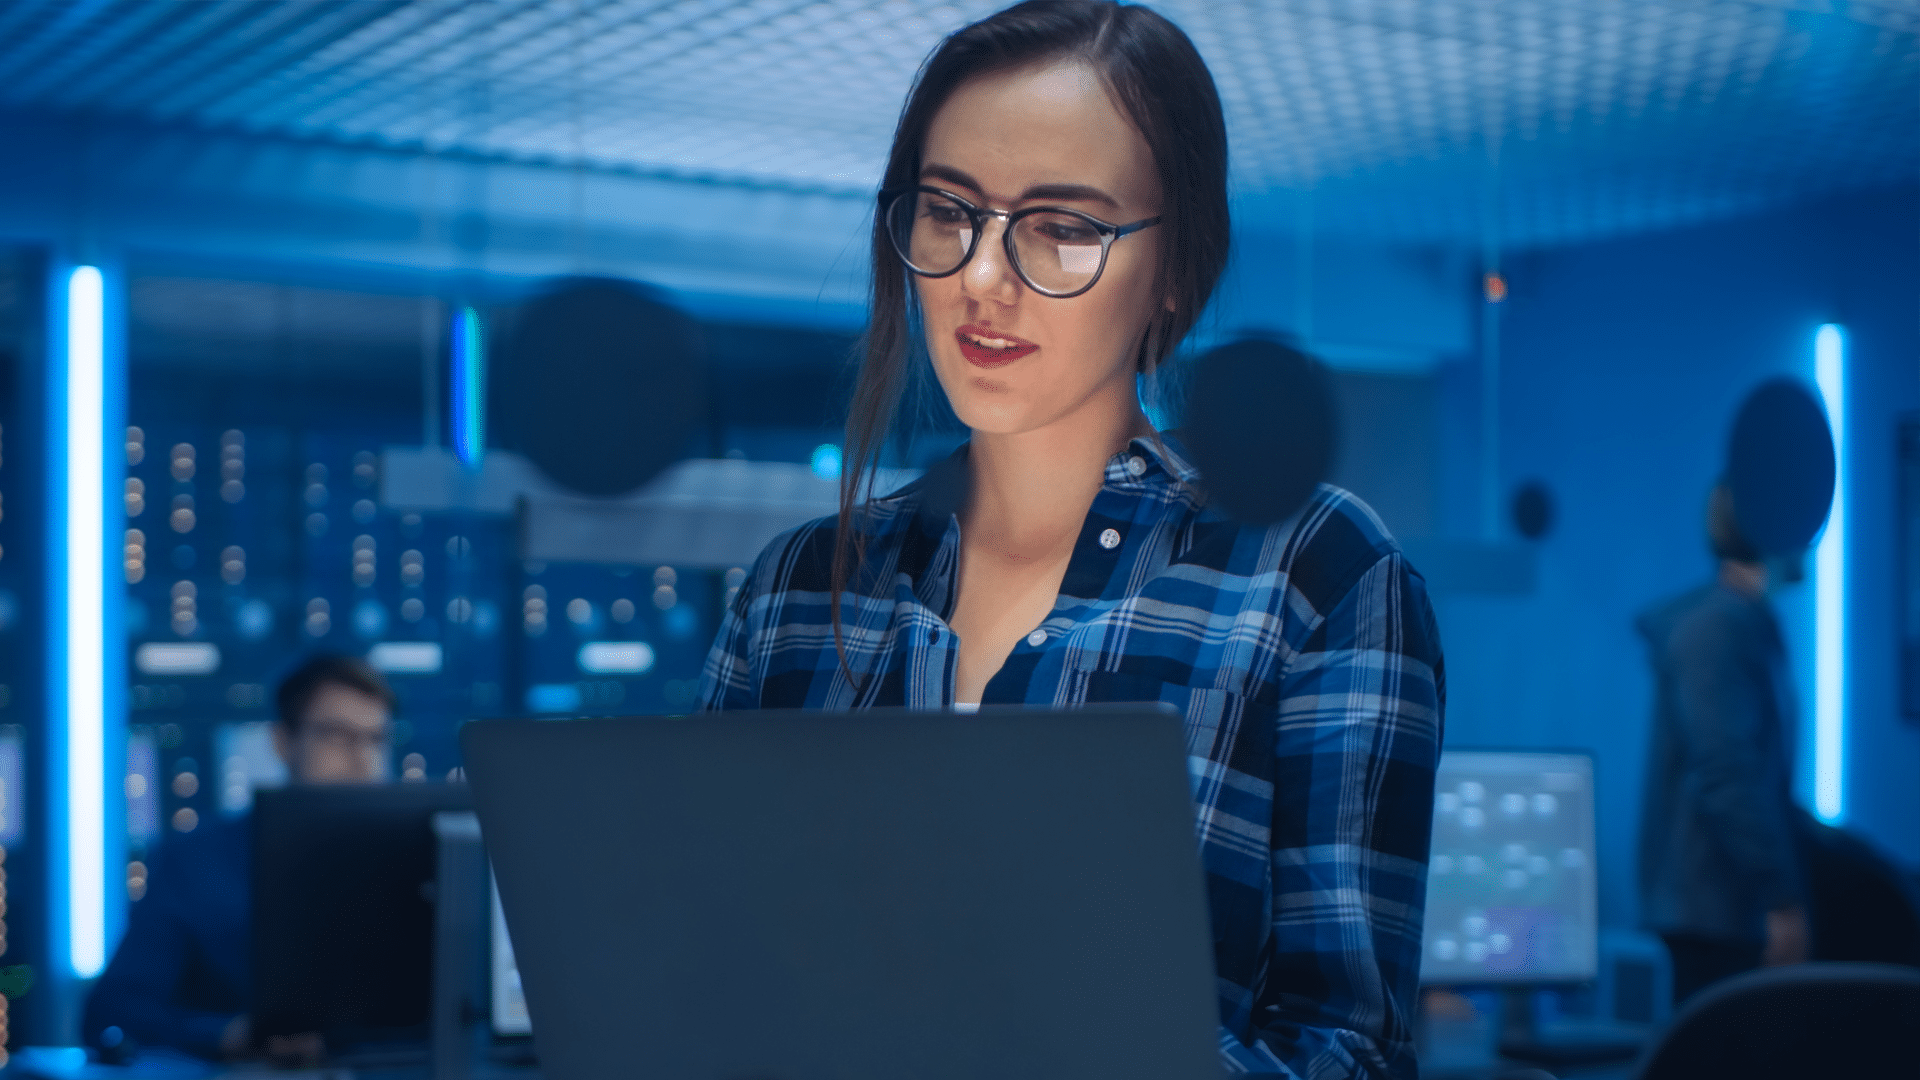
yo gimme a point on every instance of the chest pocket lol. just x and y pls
(1214, 719)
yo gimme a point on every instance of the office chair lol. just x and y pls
(1859, 905)
(1794, 1022)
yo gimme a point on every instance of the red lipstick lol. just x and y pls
(1000, 348)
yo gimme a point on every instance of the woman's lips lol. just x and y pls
(988, 348)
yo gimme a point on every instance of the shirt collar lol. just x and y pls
(936, 497)
(1166, 455)
(942, 489)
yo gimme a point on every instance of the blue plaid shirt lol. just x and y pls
(1305, 659)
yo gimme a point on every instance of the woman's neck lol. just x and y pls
(1029, 492)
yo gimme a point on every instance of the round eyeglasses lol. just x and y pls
(1056, 251)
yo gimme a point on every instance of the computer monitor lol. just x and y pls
(509, 1011)
(343, 912)
(1512, 895)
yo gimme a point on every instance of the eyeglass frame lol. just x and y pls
(346, 736)
(1108, 231)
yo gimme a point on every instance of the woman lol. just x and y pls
(1066, 554)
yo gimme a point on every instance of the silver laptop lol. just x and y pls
(853, 896)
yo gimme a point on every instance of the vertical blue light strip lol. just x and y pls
(469, 388)
(1830, 595)
(83, 579)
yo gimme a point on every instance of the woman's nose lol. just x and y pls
(988, 276)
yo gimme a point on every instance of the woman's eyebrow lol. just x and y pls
(952, 176)
(1057, 192)
(1069, 192)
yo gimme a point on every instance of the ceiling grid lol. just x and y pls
(1596, 116)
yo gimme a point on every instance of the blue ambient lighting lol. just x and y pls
(83, 652)
(1153, 402)
(616, 657)
(553, 698)
(407, 657)
(826, 461)
(469, 389)
(1830, 600)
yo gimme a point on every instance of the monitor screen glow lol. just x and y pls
(1511, 889)
(509, 1001)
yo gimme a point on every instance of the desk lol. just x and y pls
(70, 1063)
(1517, 1070)
(1450, 1050)
(1467, 1049)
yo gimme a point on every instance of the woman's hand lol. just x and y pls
(236, 1038)
(304, 1049)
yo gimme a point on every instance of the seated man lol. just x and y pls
(181, 976)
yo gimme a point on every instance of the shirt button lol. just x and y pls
(1110, 539)
(1136, 465)
(1037, 638)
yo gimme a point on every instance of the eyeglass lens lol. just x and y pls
(1056, 252)
(346, 736)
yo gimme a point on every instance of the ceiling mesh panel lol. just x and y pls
(1528, 121)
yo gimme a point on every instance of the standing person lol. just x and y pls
(1720, 879)
(182, 975)
(1053, 219)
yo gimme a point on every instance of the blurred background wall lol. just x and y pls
(1628, 359)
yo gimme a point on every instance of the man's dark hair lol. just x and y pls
(1724, 535)
(298, 690)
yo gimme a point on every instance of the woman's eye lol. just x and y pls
(946, 215)
(1064, 233)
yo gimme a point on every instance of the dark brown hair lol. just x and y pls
(1724, 535)
(297, 691)
(1157, 78)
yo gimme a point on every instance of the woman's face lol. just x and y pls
(1045, 136)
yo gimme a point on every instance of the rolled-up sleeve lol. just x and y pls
(1358, 740)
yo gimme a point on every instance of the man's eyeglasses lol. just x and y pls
(347, 737)
(1056, 251)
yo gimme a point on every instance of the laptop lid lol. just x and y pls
(884, 894)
